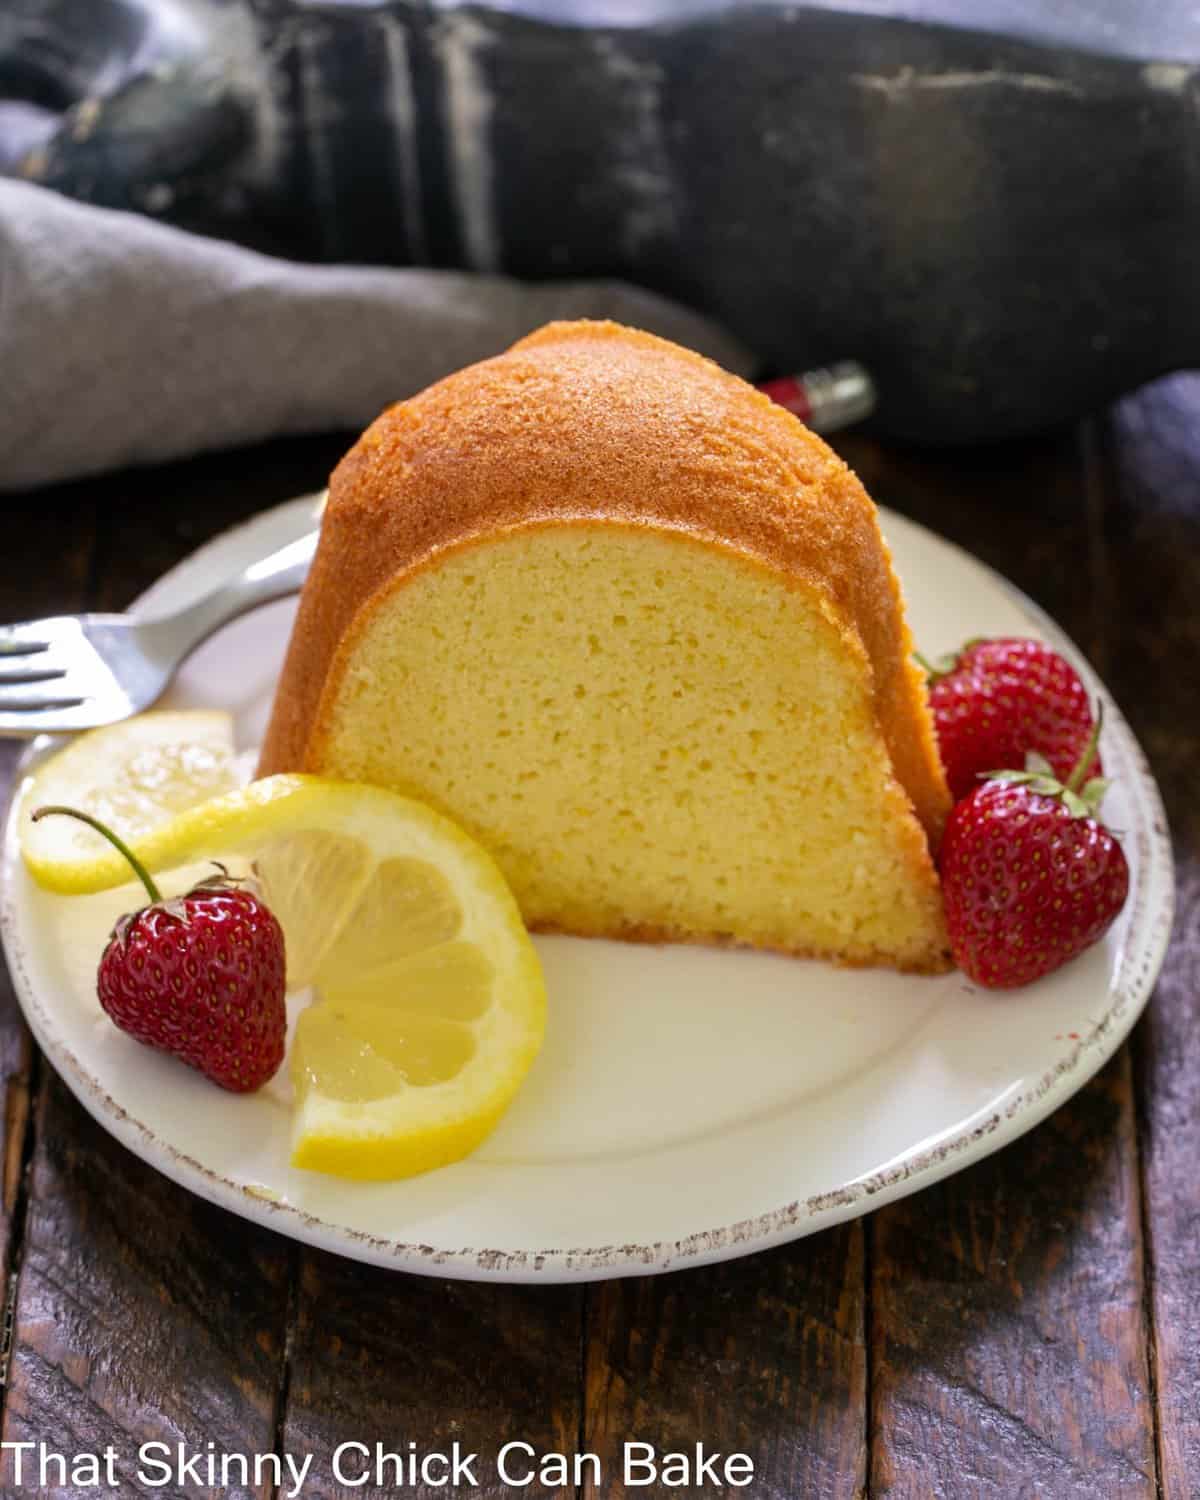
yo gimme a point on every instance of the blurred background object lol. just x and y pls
(993, 205)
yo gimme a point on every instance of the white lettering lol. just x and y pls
(299, 1473)
(552, 1471)
(85, 1471)
(694, 1469)
(161, 1473)
(227, 1462)
(339, 1475)
(427, 1467)
(463, 1467)
(264, 1462)
(739, 1470)
(706, 1468)
(52, 1479)
(674, 1470)
(18, 1452)
(588, 1461)
(645, 1463)
(520, 1480)
(187, 1468)
(394, 1480)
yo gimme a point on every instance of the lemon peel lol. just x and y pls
(430, 1003)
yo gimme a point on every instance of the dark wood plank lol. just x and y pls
(650, 1356)
(48, 554)
(769, 1351)
(373, 1356)
(141, 1314)
(506, 1363)
(1009, 1351)
(150, 518)
(1009, 1343)
(379, 1357)
(45, 565)
(1022, 508)
(17, 1079)
(503, 1362)
(765, 1356)
(1152, 529)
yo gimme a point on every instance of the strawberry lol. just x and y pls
(1030, 876)
(201, 976)
(997, 700)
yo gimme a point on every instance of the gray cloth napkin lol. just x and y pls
(124, 341)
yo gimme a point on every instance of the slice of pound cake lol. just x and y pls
(636, 628)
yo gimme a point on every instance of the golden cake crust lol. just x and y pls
(593, 422)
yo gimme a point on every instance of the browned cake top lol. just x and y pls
(593, 421)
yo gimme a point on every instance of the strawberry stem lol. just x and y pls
(936, 670)
(139, 868)
(1075, 779)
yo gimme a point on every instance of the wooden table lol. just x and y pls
(1030, 1327)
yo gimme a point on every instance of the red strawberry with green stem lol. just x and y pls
(996, 700)
(1030, 876)
(201, 976)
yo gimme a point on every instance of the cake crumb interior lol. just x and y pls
(654, 735)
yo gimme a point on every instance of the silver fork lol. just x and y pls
(74, 672)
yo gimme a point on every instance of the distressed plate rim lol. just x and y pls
(1151, 913)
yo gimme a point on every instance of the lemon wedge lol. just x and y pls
(430, 1004)
(136, 777)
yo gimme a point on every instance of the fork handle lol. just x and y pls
(272, 577)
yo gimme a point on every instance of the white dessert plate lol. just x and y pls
(690, 1105)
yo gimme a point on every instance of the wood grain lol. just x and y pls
(1003, 1334)
(1009, 1349)
(45, 566)
(1021, 508)
(1152, 528)
(765, 1356)
(141, 1314)
(462, 1363)
(17, 1073)
(380, 1357)
(1009, 1344)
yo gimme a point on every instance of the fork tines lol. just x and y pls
(24, 673)
(21, 640)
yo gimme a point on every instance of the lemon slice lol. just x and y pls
(430, 1003)
(136, 777)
